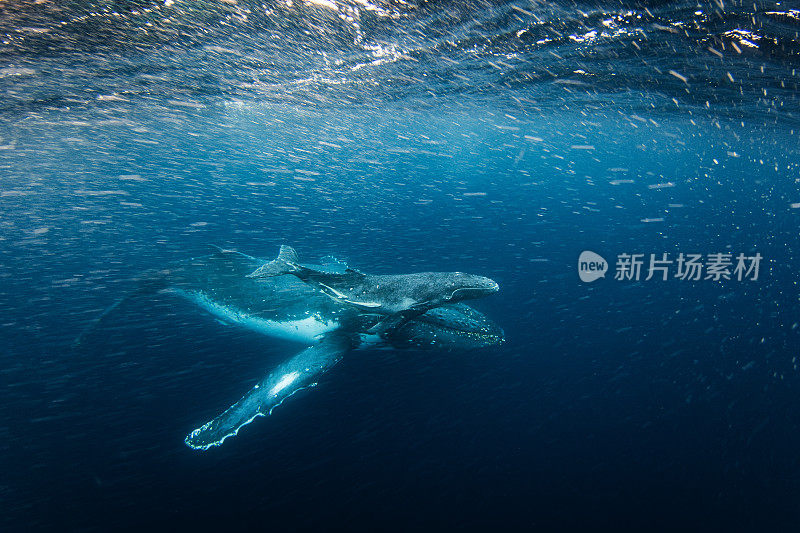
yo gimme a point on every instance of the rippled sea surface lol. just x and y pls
(500, 138)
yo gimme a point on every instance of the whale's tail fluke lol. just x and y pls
(285, 263)
(150, 284)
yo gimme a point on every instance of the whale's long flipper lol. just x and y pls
(288, 378)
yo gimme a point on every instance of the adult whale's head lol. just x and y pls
(449, 327)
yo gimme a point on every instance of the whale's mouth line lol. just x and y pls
(488, 336)
(442, 326)
(464, 331)
(489, 290)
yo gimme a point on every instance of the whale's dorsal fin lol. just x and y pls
(287, 254)
(285, 263)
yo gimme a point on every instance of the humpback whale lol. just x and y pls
(325, 329)
(400, 297)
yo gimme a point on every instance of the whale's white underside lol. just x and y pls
(306, 330)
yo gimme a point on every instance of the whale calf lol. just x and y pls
(400, 296)
(325, 329)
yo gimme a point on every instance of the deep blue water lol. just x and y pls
(502, 139)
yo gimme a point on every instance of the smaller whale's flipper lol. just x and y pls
(293, 375)
(393, 322)
(285, 263)
(340, 297)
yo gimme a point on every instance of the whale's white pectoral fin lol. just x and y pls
(333, 293)
(367, 305)
(289, 377)
(336, 295)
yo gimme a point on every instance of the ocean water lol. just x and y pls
(502, 139)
